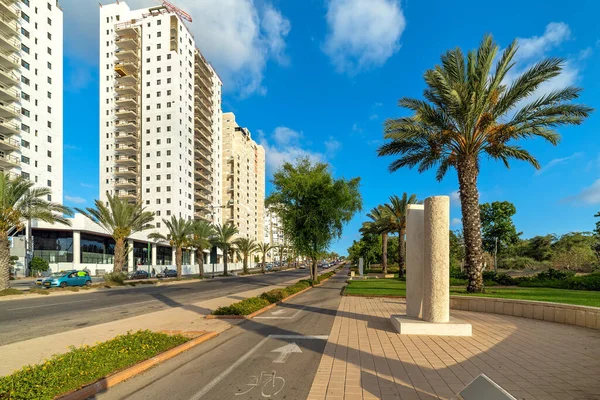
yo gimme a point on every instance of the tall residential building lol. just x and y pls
(31, 92)
(243, 180)
(273, 232)
(160, 115)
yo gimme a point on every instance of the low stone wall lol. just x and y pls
(588, 317)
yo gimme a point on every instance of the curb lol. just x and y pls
(118, 377)
(267, 308)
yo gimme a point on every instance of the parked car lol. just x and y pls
(169, 273)
(67, 278)
(140, 274)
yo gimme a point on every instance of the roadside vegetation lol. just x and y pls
(84, 365)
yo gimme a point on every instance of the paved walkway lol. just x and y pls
(366, 359)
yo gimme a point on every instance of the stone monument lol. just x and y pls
(428, 272)
(360, 266)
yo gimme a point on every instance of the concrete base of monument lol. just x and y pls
(415, 326)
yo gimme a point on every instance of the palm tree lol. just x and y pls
(396, 211)
(471, 109)
(263, 248)
(200, 236)
(20, 201)
(246, 247)
(281, 249)
(380, 224)
(178, 236)
(119, 219)
(223, 239)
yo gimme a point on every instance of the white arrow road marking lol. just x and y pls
(278, 312)
(285, 351)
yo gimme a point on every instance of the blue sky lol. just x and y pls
(319, 77)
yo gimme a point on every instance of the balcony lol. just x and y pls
(201, 123)
(126, 102)
(10, 43)
(126, 149)
(199, 194)
(127, 67)
(8, 127)
(126, 172)
(126, 126)
(202, 148)
(9, 111)
(8, 60)
(230, 189)
(8, 94)
(9, 161)
(127, 114)
(127, 54)
(8, 144)
(130, 195)
(205, 216)
(126, 160)
(8, 78)
(127, 80)
(8, 9)
(125, 184)
(8, 24)
(126, 137)
(126, 90)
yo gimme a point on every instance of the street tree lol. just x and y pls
(397, 209)
(223, 238)
(199, 239)
(380, 224)
(471, 109)
(313, 206)
(497, 228)
(245, 246)
(263, 249)
(178, 236)
(120, 219)
(19, 202)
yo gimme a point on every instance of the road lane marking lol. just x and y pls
(285, 352)
(48, 305)
(243, 358)
(277, 312)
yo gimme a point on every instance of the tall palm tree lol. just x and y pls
(223, 239)
(396, 211)
(20, 201)
(380, 224)
(281, 248)
(471, 108)
(246, 247)
(119, 219)
(199, 238)
(178, 236)
(263, 248)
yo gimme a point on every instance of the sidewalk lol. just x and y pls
(366, 359)
(184, 317)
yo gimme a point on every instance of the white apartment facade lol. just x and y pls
(160, 115)
(273, 231)
(31, 92)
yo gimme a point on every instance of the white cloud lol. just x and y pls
(362, 34)
(71, 147)
(536, 46)
(75, 199)
(87, 185)
(238, 37)
(589, 195)
(555, 162)
(283, 136)
(585, 53)
(332, 146)
(455, 198)
(456, 222)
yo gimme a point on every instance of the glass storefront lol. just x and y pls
(164, 255)
(186, 257)
(97, 249)
(53, 246)
(141, 256)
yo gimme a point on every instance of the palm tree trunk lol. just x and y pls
(200, 258)
(262, 267)
(469, 199)
(4, 261)
(314, 271)
(384, 257)
(401, 246)
(178, 260)
(120, 254)
(225, 262)
(245, 264)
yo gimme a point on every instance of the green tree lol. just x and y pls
(313, 206)
(575, 251)
(457, 249)
(178, 236)
(470, 110)
(380, 224)
(19, 202)
(246, 247)
(263, 249)
(597, 234)
(397, 208)
(497, 227)
(38, 264)
(223, 238)
(120, 219)
(539, 248)
(200, 236)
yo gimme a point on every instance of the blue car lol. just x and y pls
(67, 278)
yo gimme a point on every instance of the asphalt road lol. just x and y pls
(29, 318)
(274, 356)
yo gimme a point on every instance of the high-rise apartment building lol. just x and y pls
(160, 115)
(273, 231)
(243, 180)
(31, 92)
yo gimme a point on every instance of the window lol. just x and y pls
(24, 32)
(25, 64)
(49, 80)
(25, 160)
(25, 96)
(49, 183)
(49, 153)
(26, 2)
(49, 7)
(49, 36)
(158, 46)
(24, 48)
(25, 16)
(168, 56)
(25, 112)
(25, 80)
(49, 51)
(158, 34)
(49, 124)
(24, 143)
(50, 96)
(49, 21)
(49, 65)
(158, 22)
(158, 58)
(49, 110)
(49, 167)
(25, 128)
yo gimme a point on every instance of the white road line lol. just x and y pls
(48, 305)
(240, 360)
(290, 317)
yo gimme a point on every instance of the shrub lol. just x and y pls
(275, 295)
(115, 278)
(38, 264)
(10, 292)
(554, 274)
(458, 282)
(81, 366)
(456, 273)
(244, 307)
(504, 279)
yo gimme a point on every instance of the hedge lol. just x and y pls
(84, 365)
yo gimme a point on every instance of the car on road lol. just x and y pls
(140, 274)
(169, 273)
(67, 278)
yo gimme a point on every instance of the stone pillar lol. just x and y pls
(436, 274)
(192, 257)
(130, 262)
(415, 220)
(154, 251)
(173, 254)
(76, 248)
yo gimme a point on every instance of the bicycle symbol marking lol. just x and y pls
(271, 384)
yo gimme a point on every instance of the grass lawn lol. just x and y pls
(394, 287)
